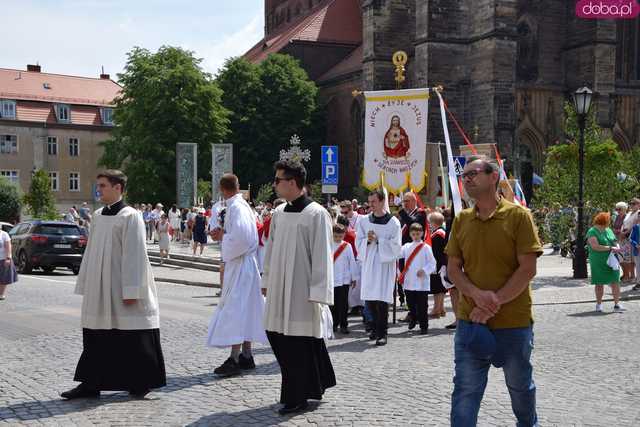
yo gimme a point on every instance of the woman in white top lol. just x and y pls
(7, 269)
(175, 218)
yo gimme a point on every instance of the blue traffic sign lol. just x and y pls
(330, 165)
(458, 164)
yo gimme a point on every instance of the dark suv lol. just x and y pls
(47, 245)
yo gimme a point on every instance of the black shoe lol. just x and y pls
(423, 331)
(80, 392)
(139, 394)
(229, 368)
(344, 330)
(368, 327)
(412, 323)
(373, 336)
(246, 362)
(381, 341)
(292, 409)
(636, 287)
(452, 325)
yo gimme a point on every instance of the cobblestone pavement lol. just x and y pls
(586, 366)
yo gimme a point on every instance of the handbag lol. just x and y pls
(612, 262)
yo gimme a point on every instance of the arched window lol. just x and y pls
(628, 50)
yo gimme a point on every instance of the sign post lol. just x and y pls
(330, 171)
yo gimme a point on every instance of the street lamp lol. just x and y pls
(582, 101)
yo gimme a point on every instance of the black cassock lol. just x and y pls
(116, 359)
(304, 361)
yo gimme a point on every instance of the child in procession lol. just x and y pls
(418, 266)
(345, 274)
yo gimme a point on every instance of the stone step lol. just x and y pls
(191, 258)
(173, 260)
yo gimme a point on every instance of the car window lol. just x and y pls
(18, 229)
(58, 230)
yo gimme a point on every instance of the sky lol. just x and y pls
(79, 37)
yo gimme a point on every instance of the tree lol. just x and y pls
(204, 191)
(265, 193)
(10, 201)
(166, 98)
(40, 197)
(608, 178)
(269, 103)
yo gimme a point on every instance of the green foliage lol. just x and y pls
(603, 184)
(204, 191)
(166, 98)
(40, 197)
(265, 193)
(269, 102)
(316, 192)
(10, 201)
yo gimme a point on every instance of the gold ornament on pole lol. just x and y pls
(400, 60)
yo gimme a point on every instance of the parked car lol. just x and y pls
(6, 226)
(47, 245)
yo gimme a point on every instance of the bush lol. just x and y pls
(40, 198)
(10, 201)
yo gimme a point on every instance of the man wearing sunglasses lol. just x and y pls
(493, 250)
(298, 282)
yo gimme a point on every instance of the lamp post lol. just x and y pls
(582, 100)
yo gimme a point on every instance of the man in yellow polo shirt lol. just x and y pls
(493, 250)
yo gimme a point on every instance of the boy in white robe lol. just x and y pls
(237, 320)
(298, 282)
(120, 321)
(345, 274)
(419, 264)
(379, 244)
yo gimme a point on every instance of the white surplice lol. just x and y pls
(238, 316)
(298, 272)
(378, 259)
(115, 266)
(423, 261)
(345, 268)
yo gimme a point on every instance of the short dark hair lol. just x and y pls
(379, 193)
(416, 227)
(293, 170)
(339, 229)
(114, 176)
(342, 220)
(229, 182)
(346, 204)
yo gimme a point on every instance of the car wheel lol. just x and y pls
(48, 269)
(24, 266)
(75, 270)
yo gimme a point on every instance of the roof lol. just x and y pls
(337, 22)
(350, 64)
(29, 85)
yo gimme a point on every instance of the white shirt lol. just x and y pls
(630, 221)
(4, 242)
(423, 261)
(345, 269)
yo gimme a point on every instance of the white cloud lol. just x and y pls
(232, 45)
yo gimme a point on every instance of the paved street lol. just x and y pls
(586, 366)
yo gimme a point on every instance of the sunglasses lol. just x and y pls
(277, 180)
(473, 173)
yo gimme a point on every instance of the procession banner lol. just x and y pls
(396, 139)
(453, 179)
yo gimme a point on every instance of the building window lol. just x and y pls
(7, 109)
(53, 178)
(107, 116)
(63, 113)
(12, 176)
(74, 181)
(628, 50)
(52, 146)
(8, 144)
(74, 147)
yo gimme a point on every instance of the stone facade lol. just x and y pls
(507, 67)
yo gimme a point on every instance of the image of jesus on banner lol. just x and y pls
(396, 140)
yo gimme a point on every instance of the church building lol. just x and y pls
(507, 67)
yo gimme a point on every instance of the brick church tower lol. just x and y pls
(507, 67)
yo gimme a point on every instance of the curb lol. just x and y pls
(588, 301)
(187, 282)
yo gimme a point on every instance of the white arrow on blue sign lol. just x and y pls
(330, 165)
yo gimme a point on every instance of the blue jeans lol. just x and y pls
(513, 353)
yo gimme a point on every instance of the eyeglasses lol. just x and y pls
(344, 212)
(472, 174)
(277, 180)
